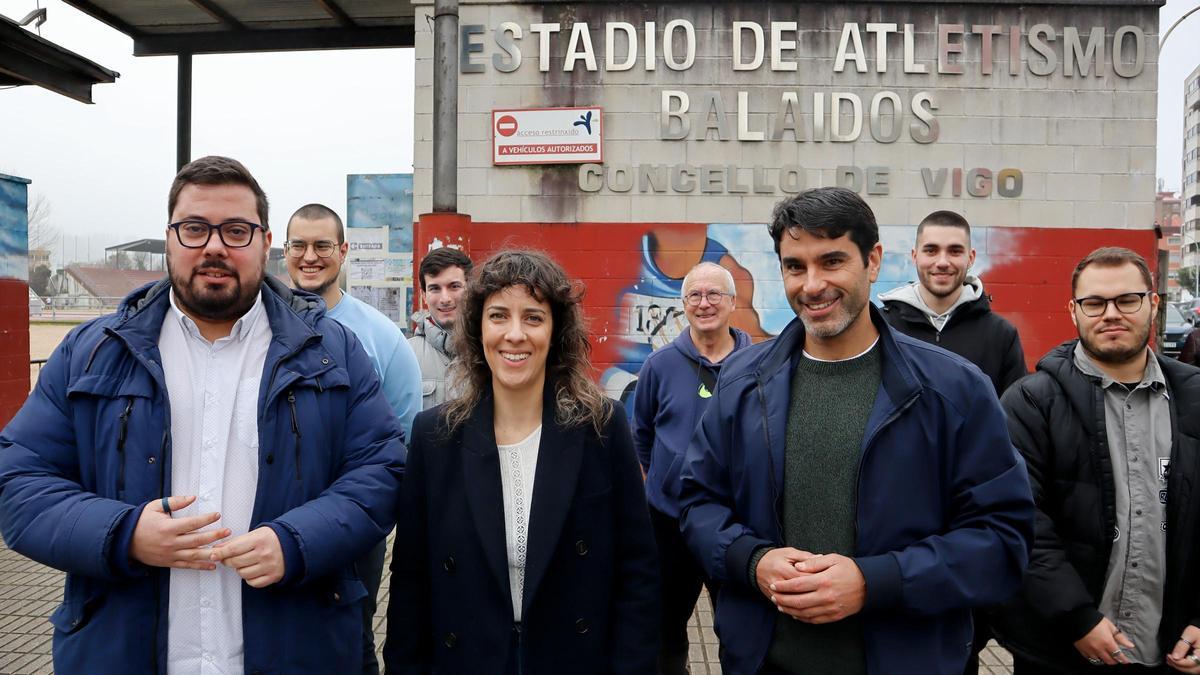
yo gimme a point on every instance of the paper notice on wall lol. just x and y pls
(368, 270)
(388, 299)
(367, 242)
(400, 267)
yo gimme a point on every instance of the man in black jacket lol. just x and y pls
(1111, 437)
(948, 308)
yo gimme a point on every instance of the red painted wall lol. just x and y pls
(14, 347)
(1027, 272)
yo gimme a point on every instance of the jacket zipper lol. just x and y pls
(775, 496)
(862, 458)
(291, 398)
(121, 435)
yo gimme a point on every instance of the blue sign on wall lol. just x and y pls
(14, 228)
(382, 200)
(379, 229)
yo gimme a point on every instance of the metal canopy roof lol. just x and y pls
(27, 58)
(165, 27)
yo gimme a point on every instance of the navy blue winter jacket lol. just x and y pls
(944, 516)
(666, 409)
(92, 446)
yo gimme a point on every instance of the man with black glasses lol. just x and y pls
(207, 463)
(316, 250)
(1111, 438)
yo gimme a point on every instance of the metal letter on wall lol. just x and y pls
(610, 46)
(1139, 58)
(467, 48)
(507, 33)
(666, 114)
(689, 44)
(877, 117)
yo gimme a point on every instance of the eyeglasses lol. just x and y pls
(197, 233)
(713, 297)
(296, 248)
(1126, 303)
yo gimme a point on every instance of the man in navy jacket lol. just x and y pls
(204, 526)
(854, 491)
(674, 385)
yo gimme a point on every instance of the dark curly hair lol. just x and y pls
(578, 400)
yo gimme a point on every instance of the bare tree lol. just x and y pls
(42, 235)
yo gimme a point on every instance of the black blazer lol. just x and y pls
(591, 575)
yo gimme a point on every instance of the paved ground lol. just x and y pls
(29, 592)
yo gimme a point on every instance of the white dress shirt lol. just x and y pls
(518, 466)
(213, 391)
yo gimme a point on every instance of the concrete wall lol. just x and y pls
(1085, 145)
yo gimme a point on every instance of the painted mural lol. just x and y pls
(633, 272)
(1026, 272)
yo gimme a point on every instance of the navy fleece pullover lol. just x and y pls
(668, 403)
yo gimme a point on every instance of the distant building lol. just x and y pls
(1190, 196)
(39, 257)
(1168, 214)
(150, 254)
(96, 287)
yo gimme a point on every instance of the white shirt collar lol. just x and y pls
(241, 327)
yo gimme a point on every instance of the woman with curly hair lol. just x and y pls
(523, 545)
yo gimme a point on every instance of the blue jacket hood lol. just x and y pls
(683, 342)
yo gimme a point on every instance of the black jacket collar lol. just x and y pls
(560, 454)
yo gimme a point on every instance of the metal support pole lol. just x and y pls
(183, 111)
(445, 106)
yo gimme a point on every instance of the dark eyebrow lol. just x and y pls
(789, 261)
(206, 221)
(834, 256)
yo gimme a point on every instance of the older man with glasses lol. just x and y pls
(1111, 437)
(204, 468)
(316, 250)
(674, 386)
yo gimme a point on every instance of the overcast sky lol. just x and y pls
(300, 121)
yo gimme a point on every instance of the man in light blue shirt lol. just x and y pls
(316, 249)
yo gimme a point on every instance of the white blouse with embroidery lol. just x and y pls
(518, 465)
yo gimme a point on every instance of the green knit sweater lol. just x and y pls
(827, 416)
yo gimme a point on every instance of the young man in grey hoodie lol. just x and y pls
(443, 275)
(946, 306)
